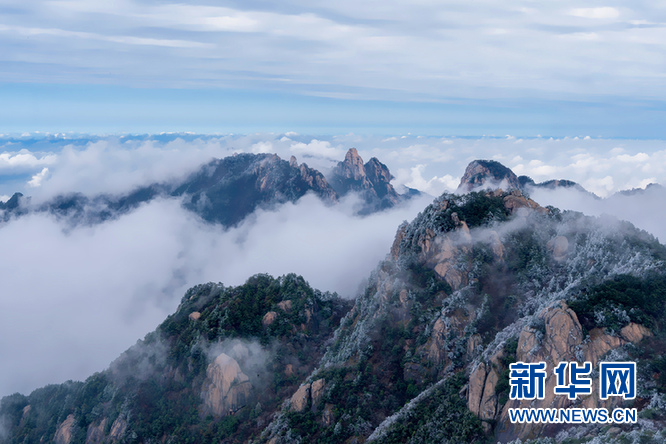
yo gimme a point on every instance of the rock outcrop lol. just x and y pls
(300, 399)
(269, 318)
(64, 432)
(317, 391)
(118, 429)
(285, 305)
(95, 434)
(371, 180)
(515, 201)
(308, 394)
(562, 341)
(559, 247)
(227, 388)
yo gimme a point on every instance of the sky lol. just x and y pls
(373, 67)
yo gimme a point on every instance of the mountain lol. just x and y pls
(226, 191)
(221, 365)
(371, 180)
(490, 174)
(652, 188)
(13, 202)
(474, 283)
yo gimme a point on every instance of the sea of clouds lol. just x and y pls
(72, 299)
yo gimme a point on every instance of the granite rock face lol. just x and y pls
(227, 388)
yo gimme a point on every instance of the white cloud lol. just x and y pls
(642, 210)
(318, 148)
(37, 179)
(120, 165)
(116, 166)
(537, 170)
(347, 49)
(262, 147)
(24, 159)
(434, 186)
(604, 12)
(601, 187)
(128, 40)
(637, 158)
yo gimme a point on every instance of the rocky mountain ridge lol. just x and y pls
(226, 191)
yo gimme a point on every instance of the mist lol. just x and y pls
(645, 209)
(74, 299)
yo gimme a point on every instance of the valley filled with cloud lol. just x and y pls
(79, 295)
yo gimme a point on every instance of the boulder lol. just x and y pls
(299, 400)
(269, 318)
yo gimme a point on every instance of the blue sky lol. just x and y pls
(373, 67)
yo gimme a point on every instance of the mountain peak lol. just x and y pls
(372, 180)
(352, 166)
(488, 174)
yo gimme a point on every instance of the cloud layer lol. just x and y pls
(73, 299)
(344, 49)
(430, 164)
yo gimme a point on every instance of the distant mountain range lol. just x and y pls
(227, 190)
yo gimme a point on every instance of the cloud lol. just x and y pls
(262, 147)
(118, 166)
(127, 40)
(605, 12)
(434, 186)
(24, 160)
(318, 148)
(345, 49)
(601, 186)
(430, 164)
(37, 179)
(643, 209)
(73, 300)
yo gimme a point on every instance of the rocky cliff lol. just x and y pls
(226, 388)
